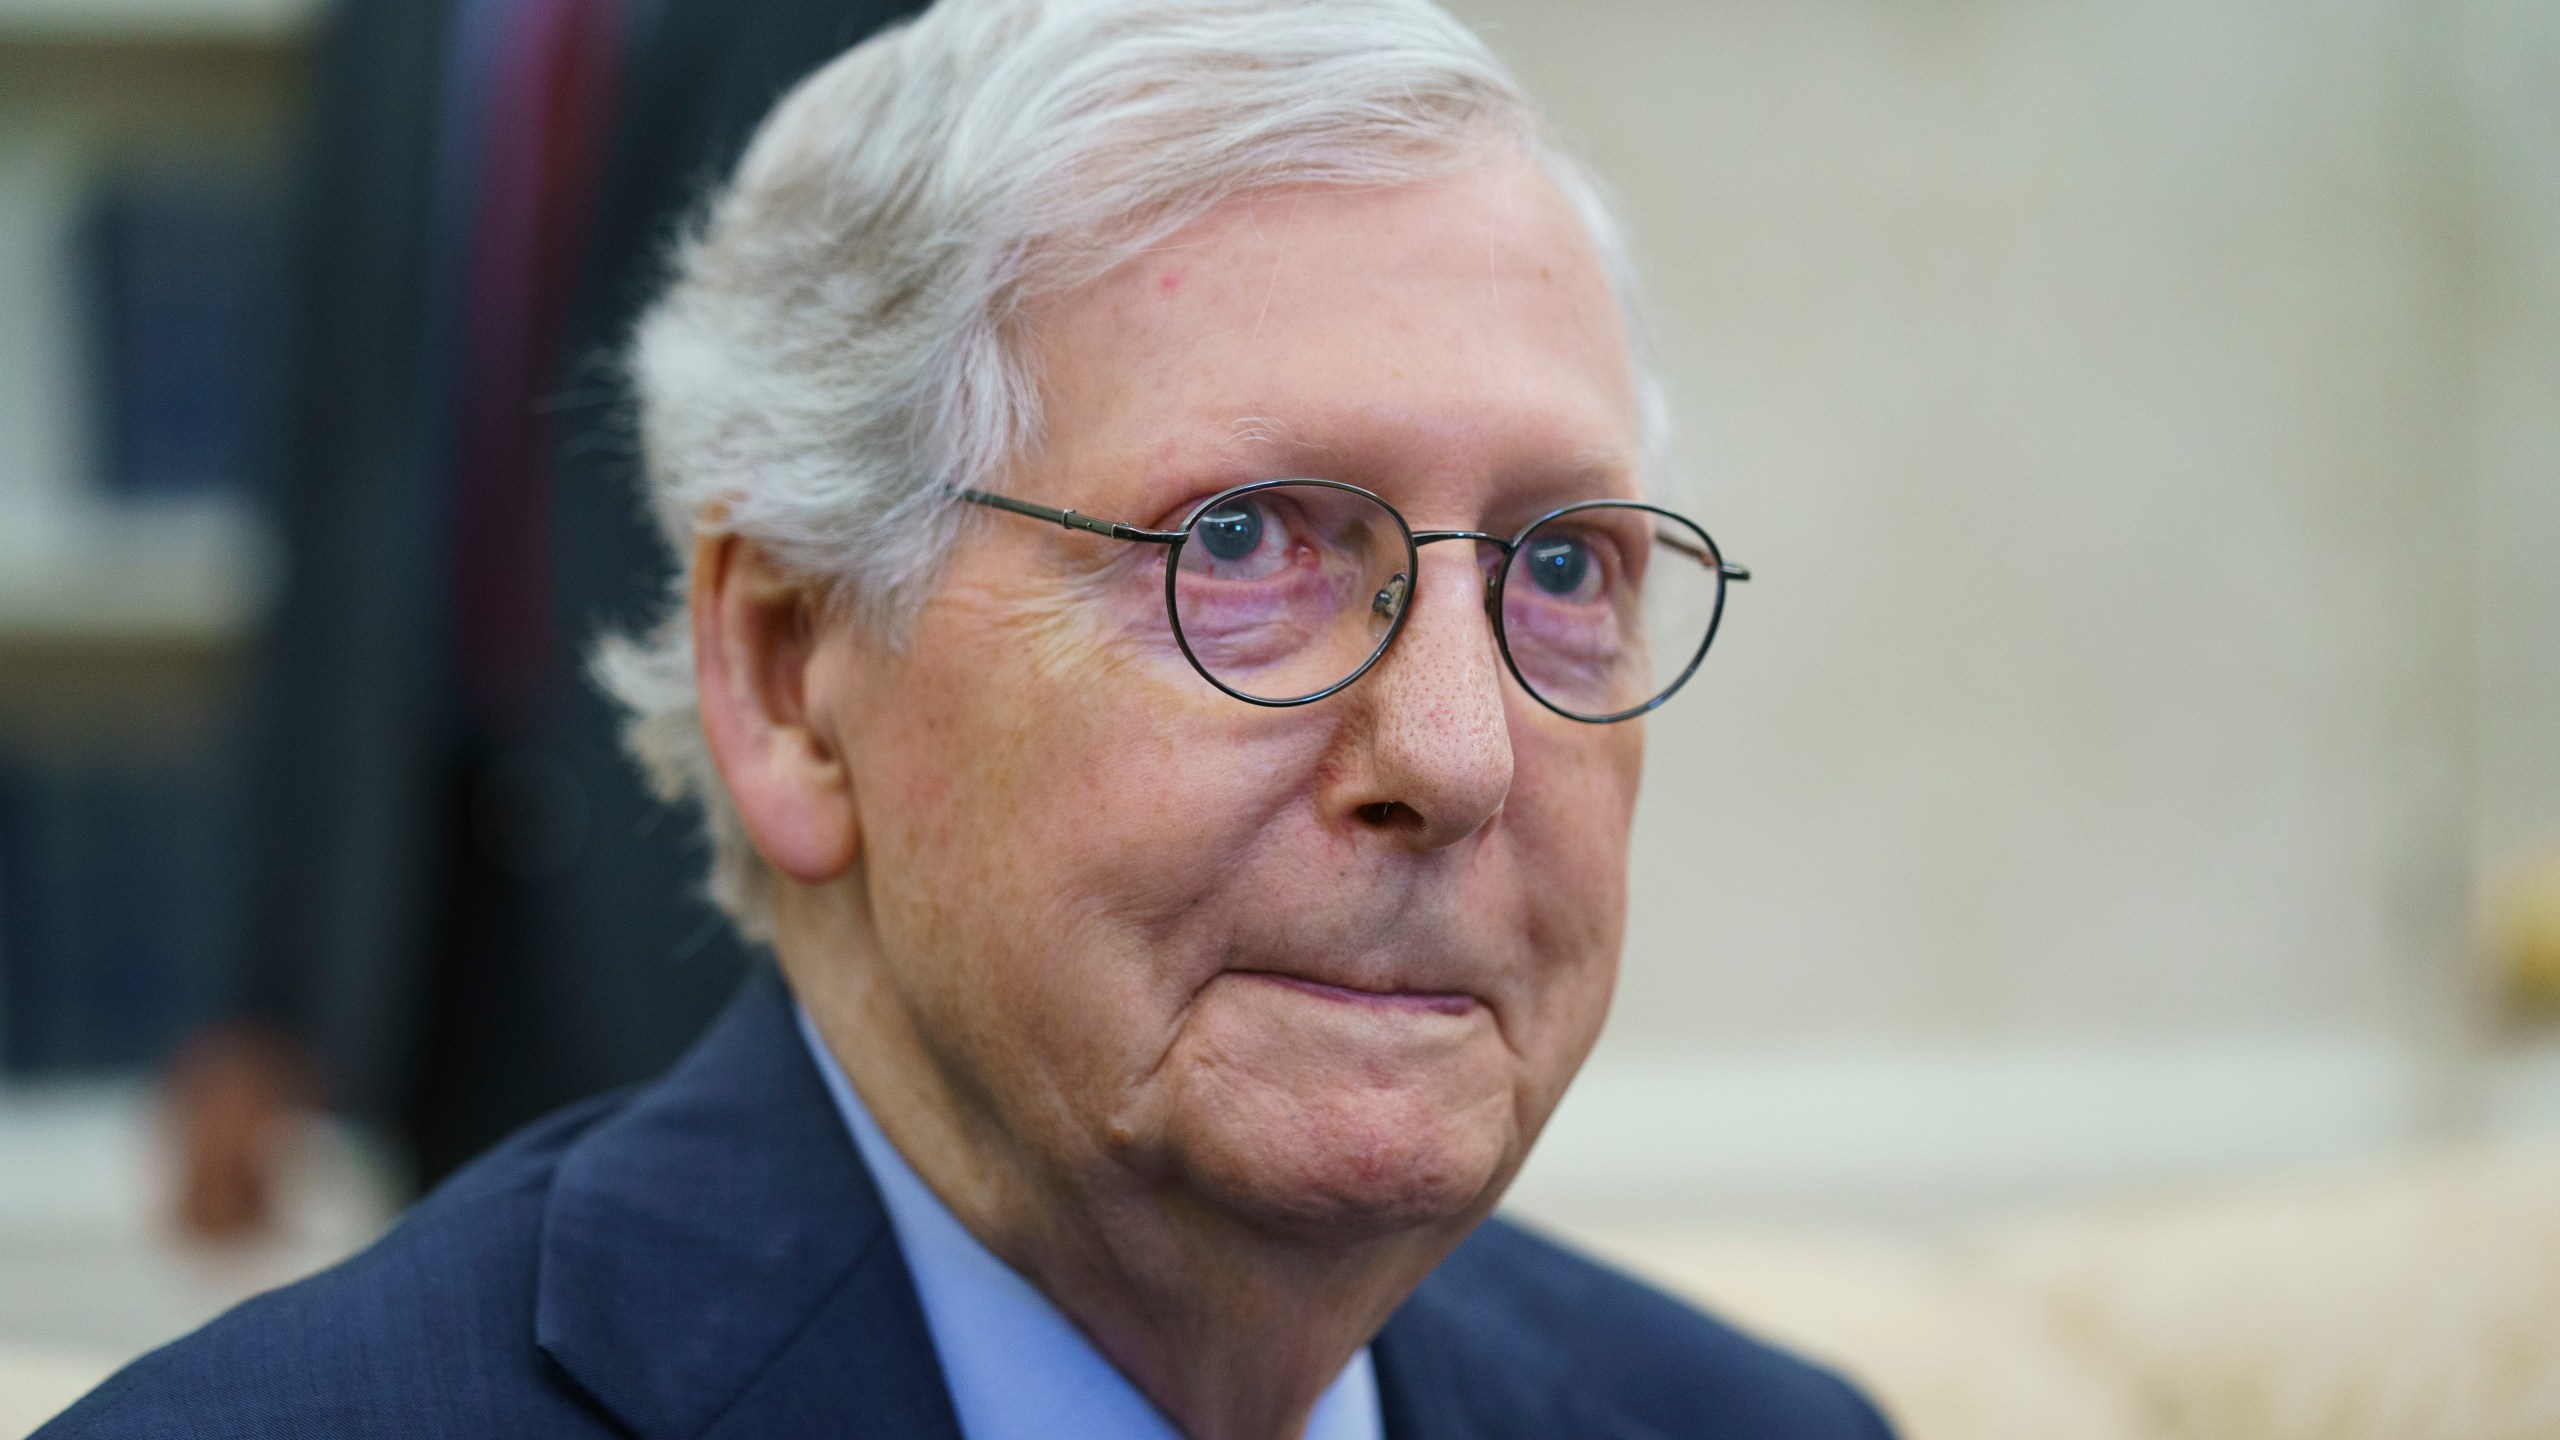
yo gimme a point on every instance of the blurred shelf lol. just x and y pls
(88, 1264)
(156, 20)
(123, 626)
(181, 574)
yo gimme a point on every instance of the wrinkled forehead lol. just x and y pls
(1415, 338)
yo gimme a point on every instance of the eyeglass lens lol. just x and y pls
(1605, 607)
(1284, 592)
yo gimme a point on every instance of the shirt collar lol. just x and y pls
(1018, 1368)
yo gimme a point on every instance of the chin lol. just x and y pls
(1350, 1167)
(1315, 1132)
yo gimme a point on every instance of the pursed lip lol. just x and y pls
(1437, 1002)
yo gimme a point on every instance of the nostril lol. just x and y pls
(1390, 815)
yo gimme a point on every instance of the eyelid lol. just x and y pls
(1195, 503)
(1279, 509)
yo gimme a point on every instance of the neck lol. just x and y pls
(1233, 1328)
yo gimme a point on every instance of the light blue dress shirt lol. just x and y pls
(1017, 1367)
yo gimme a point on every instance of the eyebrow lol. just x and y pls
(1603, 466)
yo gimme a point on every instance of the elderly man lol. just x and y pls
(1169, 606)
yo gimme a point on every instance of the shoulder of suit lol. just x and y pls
(1631, 1349)
(375, 1346)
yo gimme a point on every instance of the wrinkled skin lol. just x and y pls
(1221, 1023)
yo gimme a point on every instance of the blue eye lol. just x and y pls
(1232, 531)
(1559, 565)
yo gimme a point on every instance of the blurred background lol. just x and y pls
(2095, 961)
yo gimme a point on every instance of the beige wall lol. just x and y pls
(2512, 84)
(2136, 420)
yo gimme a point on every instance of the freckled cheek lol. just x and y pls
(1050, 797)
(1050, 765)
(1571, 811)
(922, 799)
(1574, 793)
(1158, 846)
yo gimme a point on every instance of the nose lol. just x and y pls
(1429, 744)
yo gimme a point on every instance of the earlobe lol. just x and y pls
(759, 640)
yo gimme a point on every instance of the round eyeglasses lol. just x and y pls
(1282, 592)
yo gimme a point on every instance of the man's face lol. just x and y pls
(1328, 967)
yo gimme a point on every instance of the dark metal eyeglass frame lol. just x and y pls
(1725, 570)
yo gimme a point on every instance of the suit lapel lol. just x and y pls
(716, 1261)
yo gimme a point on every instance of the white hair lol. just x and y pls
(833, 354)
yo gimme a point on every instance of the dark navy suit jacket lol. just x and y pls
(707, 1256)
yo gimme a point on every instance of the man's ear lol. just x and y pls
(757, 652)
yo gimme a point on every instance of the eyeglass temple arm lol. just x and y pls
(1729, 570)
(1070, 518)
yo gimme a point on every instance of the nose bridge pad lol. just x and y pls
(1389, 601)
